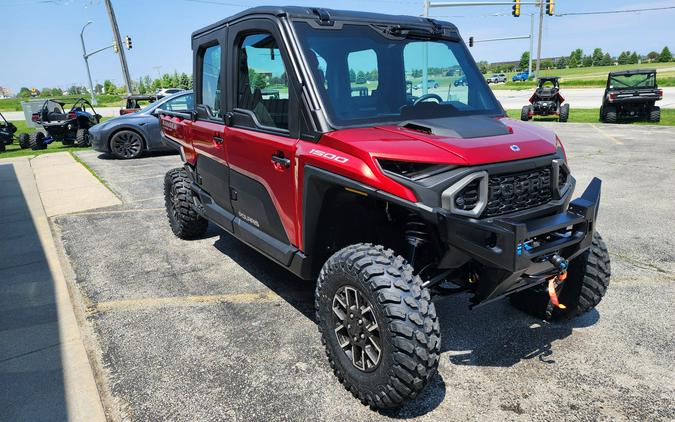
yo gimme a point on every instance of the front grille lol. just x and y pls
(518, 191)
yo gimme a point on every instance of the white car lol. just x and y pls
(496, 78)
(164, 92)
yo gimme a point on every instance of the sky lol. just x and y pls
(41, 44)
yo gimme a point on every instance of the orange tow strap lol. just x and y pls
(552, 283)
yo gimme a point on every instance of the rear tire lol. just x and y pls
(525, 113)
(586, 284)
(610, 114)
(2, 147)
(655, 114)
(396, 343)
(82, 138)
(564, 113)
(185, 222)
(36, 141)
(24, 141)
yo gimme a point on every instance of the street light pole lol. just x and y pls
(118, 41)
(541, 27)
(529, 63)
(86, 62)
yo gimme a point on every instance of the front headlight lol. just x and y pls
(412, 170)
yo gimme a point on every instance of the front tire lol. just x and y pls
(564, 113)
(24, 141)
(126, 145)
(586, 284)
(378, 325)
(185, 222)
(82, 138)
(525, 113)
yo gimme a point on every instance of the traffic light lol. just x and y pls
(127, 42)
(516, 8)
(470, 41)
(549, 7)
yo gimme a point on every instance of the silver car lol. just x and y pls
(130, 135)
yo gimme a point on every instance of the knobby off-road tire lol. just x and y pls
(393, 301)
(655, 114)
(24, 141)
(610, 114)
(2, 147)
(178, 198)
(36, 141)
(564, 113)
(82, 138)
(525, 113)
(586, 284)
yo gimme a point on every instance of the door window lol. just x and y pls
(262, 80)
(211, 81)
(181, 104)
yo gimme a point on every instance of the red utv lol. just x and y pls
(385, 199)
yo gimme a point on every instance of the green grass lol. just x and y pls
(14, 104)
(14, 150)
(591, 115)
(89, 169)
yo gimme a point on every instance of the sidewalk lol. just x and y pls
(44, 370)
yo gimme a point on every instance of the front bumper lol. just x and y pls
(98, 143)
(515, 251)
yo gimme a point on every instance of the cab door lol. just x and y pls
(208, 130)
(261, 139)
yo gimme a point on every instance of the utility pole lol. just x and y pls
(529, 63)
(541, 27)
(86, 62)
(118, 42)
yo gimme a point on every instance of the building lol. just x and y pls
(5, 92)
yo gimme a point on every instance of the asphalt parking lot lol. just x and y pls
(210, 330)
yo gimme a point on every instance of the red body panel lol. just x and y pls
(351, 153)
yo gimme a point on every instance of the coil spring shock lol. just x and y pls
(417, 235)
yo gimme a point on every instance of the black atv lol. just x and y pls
(546, 101)
(68, 128)
(631, 94)
(7, 131)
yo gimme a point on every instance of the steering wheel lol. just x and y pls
(428, 97)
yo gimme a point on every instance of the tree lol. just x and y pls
(597, 56)
(623, 58)
(606, 60)
(141, 87)
(587, 61)
(633, 58)
(167, 81)
(184, 81)
(546, 64)
(483, 66)
(98, 88)
(109, 87)
(23, 92)
(665, 55)
(524, 61)
(561, 63)
(652, 56)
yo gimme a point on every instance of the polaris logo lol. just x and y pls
(515, 148)
(169, 124)
(329, 156)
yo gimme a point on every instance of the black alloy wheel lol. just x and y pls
(126, 144)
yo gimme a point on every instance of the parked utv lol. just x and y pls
(631, 94)
(133, 103)
(385, 199)
(7, 131)
(546, 101)
(69, 128)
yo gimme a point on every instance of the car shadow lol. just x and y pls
(496, 335)
(144, 155)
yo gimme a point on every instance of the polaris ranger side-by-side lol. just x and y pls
(631, 94)
(385, 197)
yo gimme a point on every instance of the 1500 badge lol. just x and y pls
(329, 156)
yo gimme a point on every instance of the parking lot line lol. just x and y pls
(158, 302)
(606, 135)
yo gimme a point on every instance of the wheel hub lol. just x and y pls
(356, 328)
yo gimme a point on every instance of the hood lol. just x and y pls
(467, 141)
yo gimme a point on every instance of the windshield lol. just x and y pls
(641, 80)
(365, 77)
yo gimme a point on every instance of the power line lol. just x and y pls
(605, 12)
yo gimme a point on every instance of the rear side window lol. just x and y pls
(262, 80)
(211, 80)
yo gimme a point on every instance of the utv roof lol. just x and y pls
(297, 12)
(548, 78)
(141, 97)
(632, 72)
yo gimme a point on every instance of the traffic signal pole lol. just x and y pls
(541, 27)
(118, 42)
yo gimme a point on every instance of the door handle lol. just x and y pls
(280, 162)
(217, 139)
